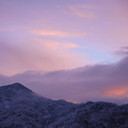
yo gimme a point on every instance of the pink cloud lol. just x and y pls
(37, 56)
(54, 44)
(87, 6)
(57, 33)
(82, 13)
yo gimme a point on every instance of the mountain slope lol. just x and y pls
(22, 108)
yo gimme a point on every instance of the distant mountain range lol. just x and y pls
(22, 108)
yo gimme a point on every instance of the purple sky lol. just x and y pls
(75, 50)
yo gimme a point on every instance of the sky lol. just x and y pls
(76, 50)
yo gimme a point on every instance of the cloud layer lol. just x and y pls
(100, 82)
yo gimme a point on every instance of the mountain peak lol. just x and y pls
(14, 89)
(18, 87)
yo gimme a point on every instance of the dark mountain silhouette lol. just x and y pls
(16, 86)
(13, 90)
(22, 108)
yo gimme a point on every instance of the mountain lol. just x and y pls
(22, 108)
(13, 90)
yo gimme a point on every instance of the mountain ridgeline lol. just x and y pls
(22, 108)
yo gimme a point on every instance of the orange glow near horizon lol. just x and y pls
(116, 92)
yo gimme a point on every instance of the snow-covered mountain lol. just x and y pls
(22, 108)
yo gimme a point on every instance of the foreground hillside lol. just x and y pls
(22, 108)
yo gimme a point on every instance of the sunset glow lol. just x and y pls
(76, 50)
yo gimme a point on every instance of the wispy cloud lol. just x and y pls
(81, 13)
(57, 33)
(55, 44)
(122, 52)
(87, 6)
